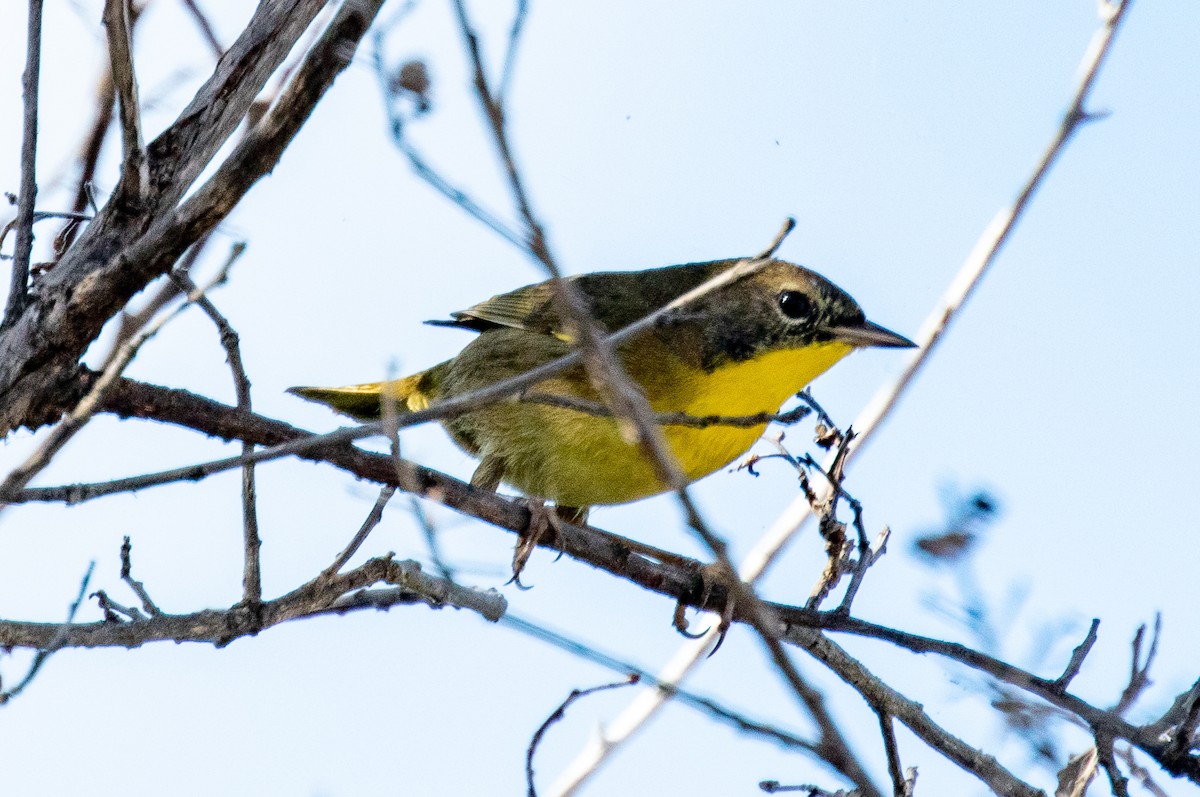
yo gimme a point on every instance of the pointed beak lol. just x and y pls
(869, 334)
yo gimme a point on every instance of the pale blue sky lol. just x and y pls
(650, 134)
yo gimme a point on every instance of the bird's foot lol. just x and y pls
(710, 577)
(543, 521)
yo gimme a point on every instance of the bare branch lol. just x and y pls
(83, 411)
(1139, 668)
(510, 53)
(135, 169)
(709, 708)
(53, 643)
(883, 698)
(556, 716)
(1116, 778)
(137, 587)
(251, 542)
(114, 259)
(373, 518)
(19, 282)
(1078, 655)
(336, 595)
(895, 768)
(206, 28)
(1141, 773)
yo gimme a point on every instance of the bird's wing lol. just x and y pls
(530, 308)
(615, 299)
(525, 308)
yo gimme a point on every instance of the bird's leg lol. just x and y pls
(489, 473)
(542, 519)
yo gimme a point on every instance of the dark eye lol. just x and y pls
(795, 304)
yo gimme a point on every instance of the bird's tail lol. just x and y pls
(365, 402)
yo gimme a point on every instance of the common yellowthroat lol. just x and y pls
(741, 350)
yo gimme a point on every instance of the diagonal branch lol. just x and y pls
(87, 406)
(886, 700)
(96, 277)
(135, 169)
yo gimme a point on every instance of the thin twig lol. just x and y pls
(89, 154)
(1116, 778)
(557, 716)
(19, 282)
(895, 768)
(1141, 773)
(1139, 668)
(39, 215)
(337, 595)
(882, 697)
(137, 587)
(368, 525)
(78, 417)
(206, 29)
(431, 539)
(706, 706)
(56, 643)
(251, 541)
(135, 169)
(1078, 655)
(510, 53)
(671, 418)
(397, 125)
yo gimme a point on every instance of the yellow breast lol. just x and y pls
(578, 459)
(761, 384)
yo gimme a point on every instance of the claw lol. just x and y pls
(708, 575)
(723, 628)
(542, 520)
(681, 623)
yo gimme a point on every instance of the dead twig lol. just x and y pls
(251, 541)
(78, 417)
(895, 771)
(135, 169)
(1078, 655)
(54, 644)
(1139, 667)
(19, 281)
(597, 409)
(373, 519)
(137, 587)
(556, 716)
(206, 29)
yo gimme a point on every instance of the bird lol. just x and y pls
(740, 350)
